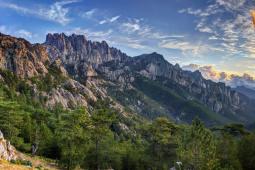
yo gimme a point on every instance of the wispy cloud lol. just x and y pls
(16, 32)
(89, 14)
(24, 33)
(187, 47)
(236, 33)
(131, 26)
(56, 12)
(109, 20)
(95, 35)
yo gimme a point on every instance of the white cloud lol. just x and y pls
(24, 33)
(114, 18)
(233, 80)
(131, 27)
(129, 42)
(213, 38)
(236, 33)
(210, 10)
(56, 12)
(90, 13)
(231, 4)
(205, 29)
(109, 20)
(184, 46)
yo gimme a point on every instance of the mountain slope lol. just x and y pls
(246, 91)
(120, 72)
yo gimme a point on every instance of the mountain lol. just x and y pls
(246, 91)
(132, 81)
(78, 72)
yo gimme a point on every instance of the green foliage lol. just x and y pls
(197, 147)
(72, 138)
(246, 152)
(161, 143)
(22, 162)
(227, 152)
(51, 80)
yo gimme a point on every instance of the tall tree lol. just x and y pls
(246, 152)
(161, 143)
(197, 147)
(72, 138)
(100, 132)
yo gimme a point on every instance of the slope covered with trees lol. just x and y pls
(96, 139)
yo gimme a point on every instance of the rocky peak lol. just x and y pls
(148, 58)
(77, 53)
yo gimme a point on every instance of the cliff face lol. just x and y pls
(78, 54)
(216, 96)
(21, 57)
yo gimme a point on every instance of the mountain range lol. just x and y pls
(79, 72)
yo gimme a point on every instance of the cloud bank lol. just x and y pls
(232, 80)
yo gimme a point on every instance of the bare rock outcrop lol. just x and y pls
(7, 151)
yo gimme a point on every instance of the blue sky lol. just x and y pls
(205, 32)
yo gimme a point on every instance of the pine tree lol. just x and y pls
(197, 147)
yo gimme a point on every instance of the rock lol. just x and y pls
(79, 55)
(21, 57)
(65, 98)
(7, 151)
(1, 135)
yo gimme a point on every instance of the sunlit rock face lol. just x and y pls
(21, 57)
(7, 151)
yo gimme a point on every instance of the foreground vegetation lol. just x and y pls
(101, 138)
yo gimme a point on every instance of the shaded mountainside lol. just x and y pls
(179, 94)
(246, 91)
(79, 71)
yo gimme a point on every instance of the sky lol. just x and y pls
(218, 33)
